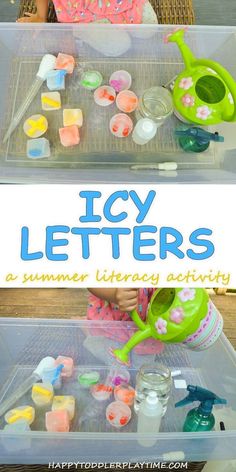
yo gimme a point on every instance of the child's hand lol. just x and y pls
(126, 298)
(31, 18)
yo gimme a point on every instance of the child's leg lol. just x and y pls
(149, 15)
(39, 17)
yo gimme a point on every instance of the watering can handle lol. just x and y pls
(226, 77)
(137, 320)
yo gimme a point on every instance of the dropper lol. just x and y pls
(47, 64)
(45, 363)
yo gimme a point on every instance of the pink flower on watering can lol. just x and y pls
(161, 326)
(177, 315)
(186, 294)
(188, 100)
(186, 83)
(167, 36)
(203, 112)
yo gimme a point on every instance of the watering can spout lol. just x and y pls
(178, 38)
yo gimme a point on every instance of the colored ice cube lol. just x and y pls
(58, 421)
(66, 62)
(72, 116)
(56, 79)
(38, 148)
(91, 79)
(26, 413)
(121, 125)
(120, 80)
(105, 96)
(20, 425)
(69, 135)
(118, 414)
(117, 376)
(124, 393)
(68, 364)
(101, 392)
(35, 126)
(17, 443)
(127, 101)
(52, 375)
(64, 402)
(51, 101)
(42, 393)
(88, 378)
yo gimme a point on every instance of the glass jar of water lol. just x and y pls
(156, 104)
(156, 378)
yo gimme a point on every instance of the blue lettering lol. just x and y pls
(196, 241)
(89, 217)
(172, 247)
(115, 233)
(51, 242)
(143, 208)
(85, 233)
(107, 207)
(138, 243)
(25, 255)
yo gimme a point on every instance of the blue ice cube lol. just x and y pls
(18, 426)
(38, 148)
(53, 376)
(56, 80)
(18, 442)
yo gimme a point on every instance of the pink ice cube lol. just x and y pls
(68, 363)
(65, 62)
(69, 135)
(57, 421)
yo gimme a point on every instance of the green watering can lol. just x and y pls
(176, 315)
(204, 93)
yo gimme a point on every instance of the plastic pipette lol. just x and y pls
(47, 64)
(161, 166)
(45, 363)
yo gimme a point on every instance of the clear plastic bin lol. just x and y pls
(24, 342)
(100, 156)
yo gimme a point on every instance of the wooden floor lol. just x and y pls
(71, 303)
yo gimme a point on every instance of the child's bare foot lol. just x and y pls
(31, 18)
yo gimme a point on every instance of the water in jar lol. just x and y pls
(156, 378)
(156, 104)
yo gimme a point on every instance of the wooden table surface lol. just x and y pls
(70, 303)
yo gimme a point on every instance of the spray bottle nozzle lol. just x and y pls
(202, 136)
(206, 398)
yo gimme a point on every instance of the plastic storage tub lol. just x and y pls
(23, 343)
(100, 156)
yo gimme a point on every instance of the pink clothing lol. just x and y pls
(88, 11)
(101, 310)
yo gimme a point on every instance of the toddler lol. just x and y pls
(114, 304)
(88, 11)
